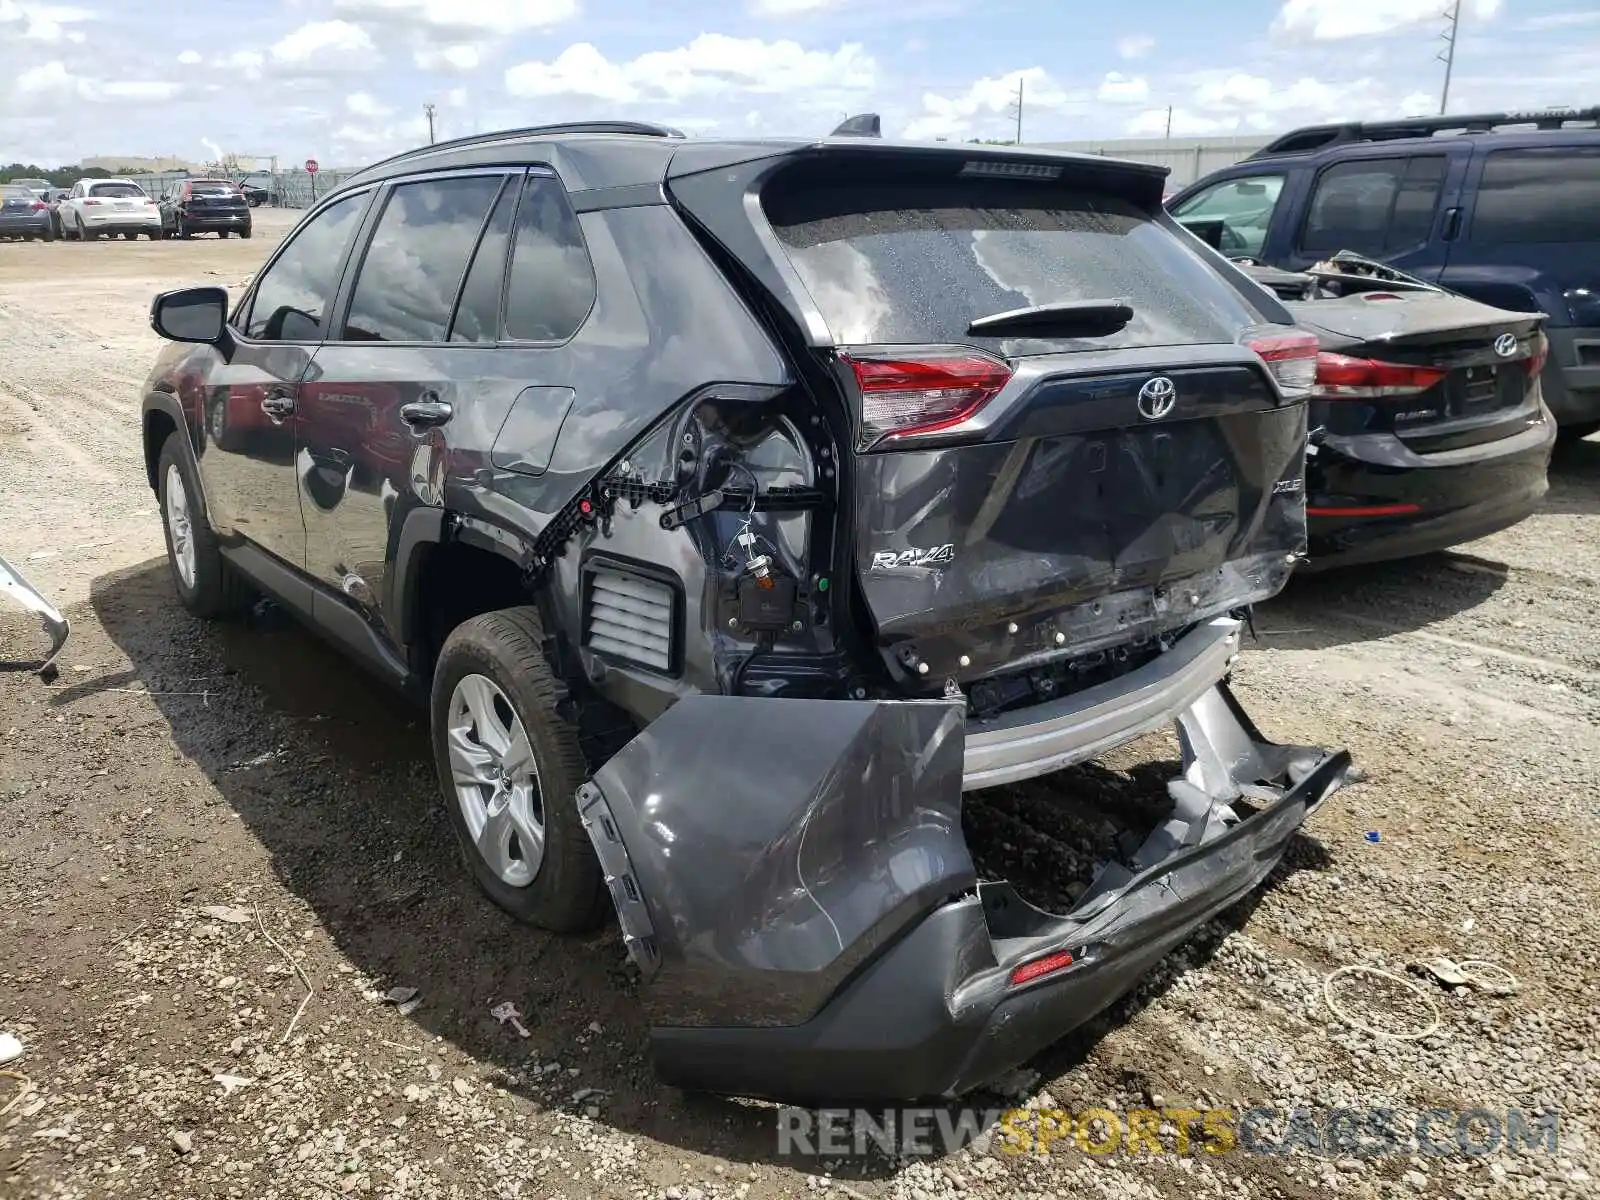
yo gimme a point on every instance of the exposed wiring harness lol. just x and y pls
(1469, 971)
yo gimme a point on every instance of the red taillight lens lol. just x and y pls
(39, 206)
(1291, 356)
(1340, 377)
(1040, 967)
(91, 200)
(1541, 353)
(924, 391)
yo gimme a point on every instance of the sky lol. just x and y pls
(345, 81)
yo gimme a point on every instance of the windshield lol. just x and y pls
(917, 263)
(114, 189)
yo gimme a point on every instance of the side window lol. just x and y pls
(293, 294)
(1243, 206)
(552, 286)
(1374, 206)
(478, 310)
(413, 267)
(1538, 196)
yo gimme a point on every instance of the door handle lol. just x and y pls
(428, 413)
(278, 405)
(1452, 225)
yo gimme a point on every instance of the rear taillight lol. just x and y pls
(1291, 356)
(1541, 353)
(91, 200)
(39, 206)
(1340, 377)
(907, 394)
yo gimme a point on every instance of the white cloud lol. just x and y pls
(988, 98)
(712, 64)
(484, 16)
(1136, 45)
(363, 104)
(189, 57)
(53, 81)
(1153, 122)
(460, 56)
(325, 43)
(790, 8)
(1117, 88)
(1334, 20)
(43, 23)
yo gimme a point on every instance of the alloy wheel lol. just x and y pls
(495, 779)
(180, 526)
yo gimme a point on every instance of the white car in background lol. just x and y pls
(108, 206)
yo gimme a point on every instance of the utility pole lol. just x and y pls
(428, 108)
(1448, 57)
(1019, 110)
(1169, 122)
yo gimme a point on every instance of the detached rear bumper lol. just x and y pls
(13, 585)
(792, 878)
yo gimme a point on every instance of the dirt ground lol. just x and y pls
(199, 822)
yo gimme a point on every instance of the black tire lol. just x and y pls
(245, 232)
(567, 893)
(85, 234)
(155, 235)
(222, 235)
(49, 233)
(1577, 431)
(129, 236)
(217, 589)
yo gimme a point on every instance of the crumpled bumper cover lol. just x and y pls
(792, 879)
(14, 586)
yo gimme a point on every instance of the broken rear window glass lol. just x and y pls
(892, 263)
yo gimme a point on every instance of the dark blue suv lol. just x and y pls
(1501, 208)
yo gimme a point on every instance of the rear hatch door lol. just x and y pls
(1117, 479)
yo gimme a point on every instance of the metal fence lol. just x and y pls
(285, 189)
(1188, 159)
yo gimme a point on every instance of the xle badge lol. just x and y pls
(891, 560)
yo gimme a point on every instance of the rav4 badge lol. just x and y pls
(891, 560)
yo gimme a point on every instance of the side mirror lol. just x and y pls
(190, 314)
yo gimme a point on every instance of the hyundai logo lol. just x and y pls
(1505, 345)
(1157, 397)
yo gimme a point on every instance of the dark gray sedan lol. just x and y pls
(24, 215)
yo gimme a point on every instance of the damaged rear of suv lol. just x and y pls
(867, 476)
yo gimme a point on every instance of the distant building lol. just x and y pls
(132, 164)
(1189, 158)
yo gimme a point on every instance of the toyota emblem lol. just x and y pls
(1157, 397)
(1505, 345)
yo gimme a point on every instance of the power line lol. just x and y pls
(1448, 56)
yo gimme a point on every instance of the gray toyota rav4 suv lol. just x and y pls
(737, 507)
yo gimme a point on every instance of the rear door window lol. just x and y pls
(1539, 195)
(917, 262)
(1243, 206)
(1374, 206)
(407, 285)
(477, 316)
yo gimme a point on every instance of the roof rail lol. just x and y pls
(639, 128)
(1318, 137)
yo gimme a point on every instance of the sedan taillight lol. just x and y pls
(1340, 377)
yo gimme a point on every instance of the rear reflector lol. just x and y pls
(1040, 967)
(1291, 356)
(1342, 378)
(1362, 510)
(904, 395)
